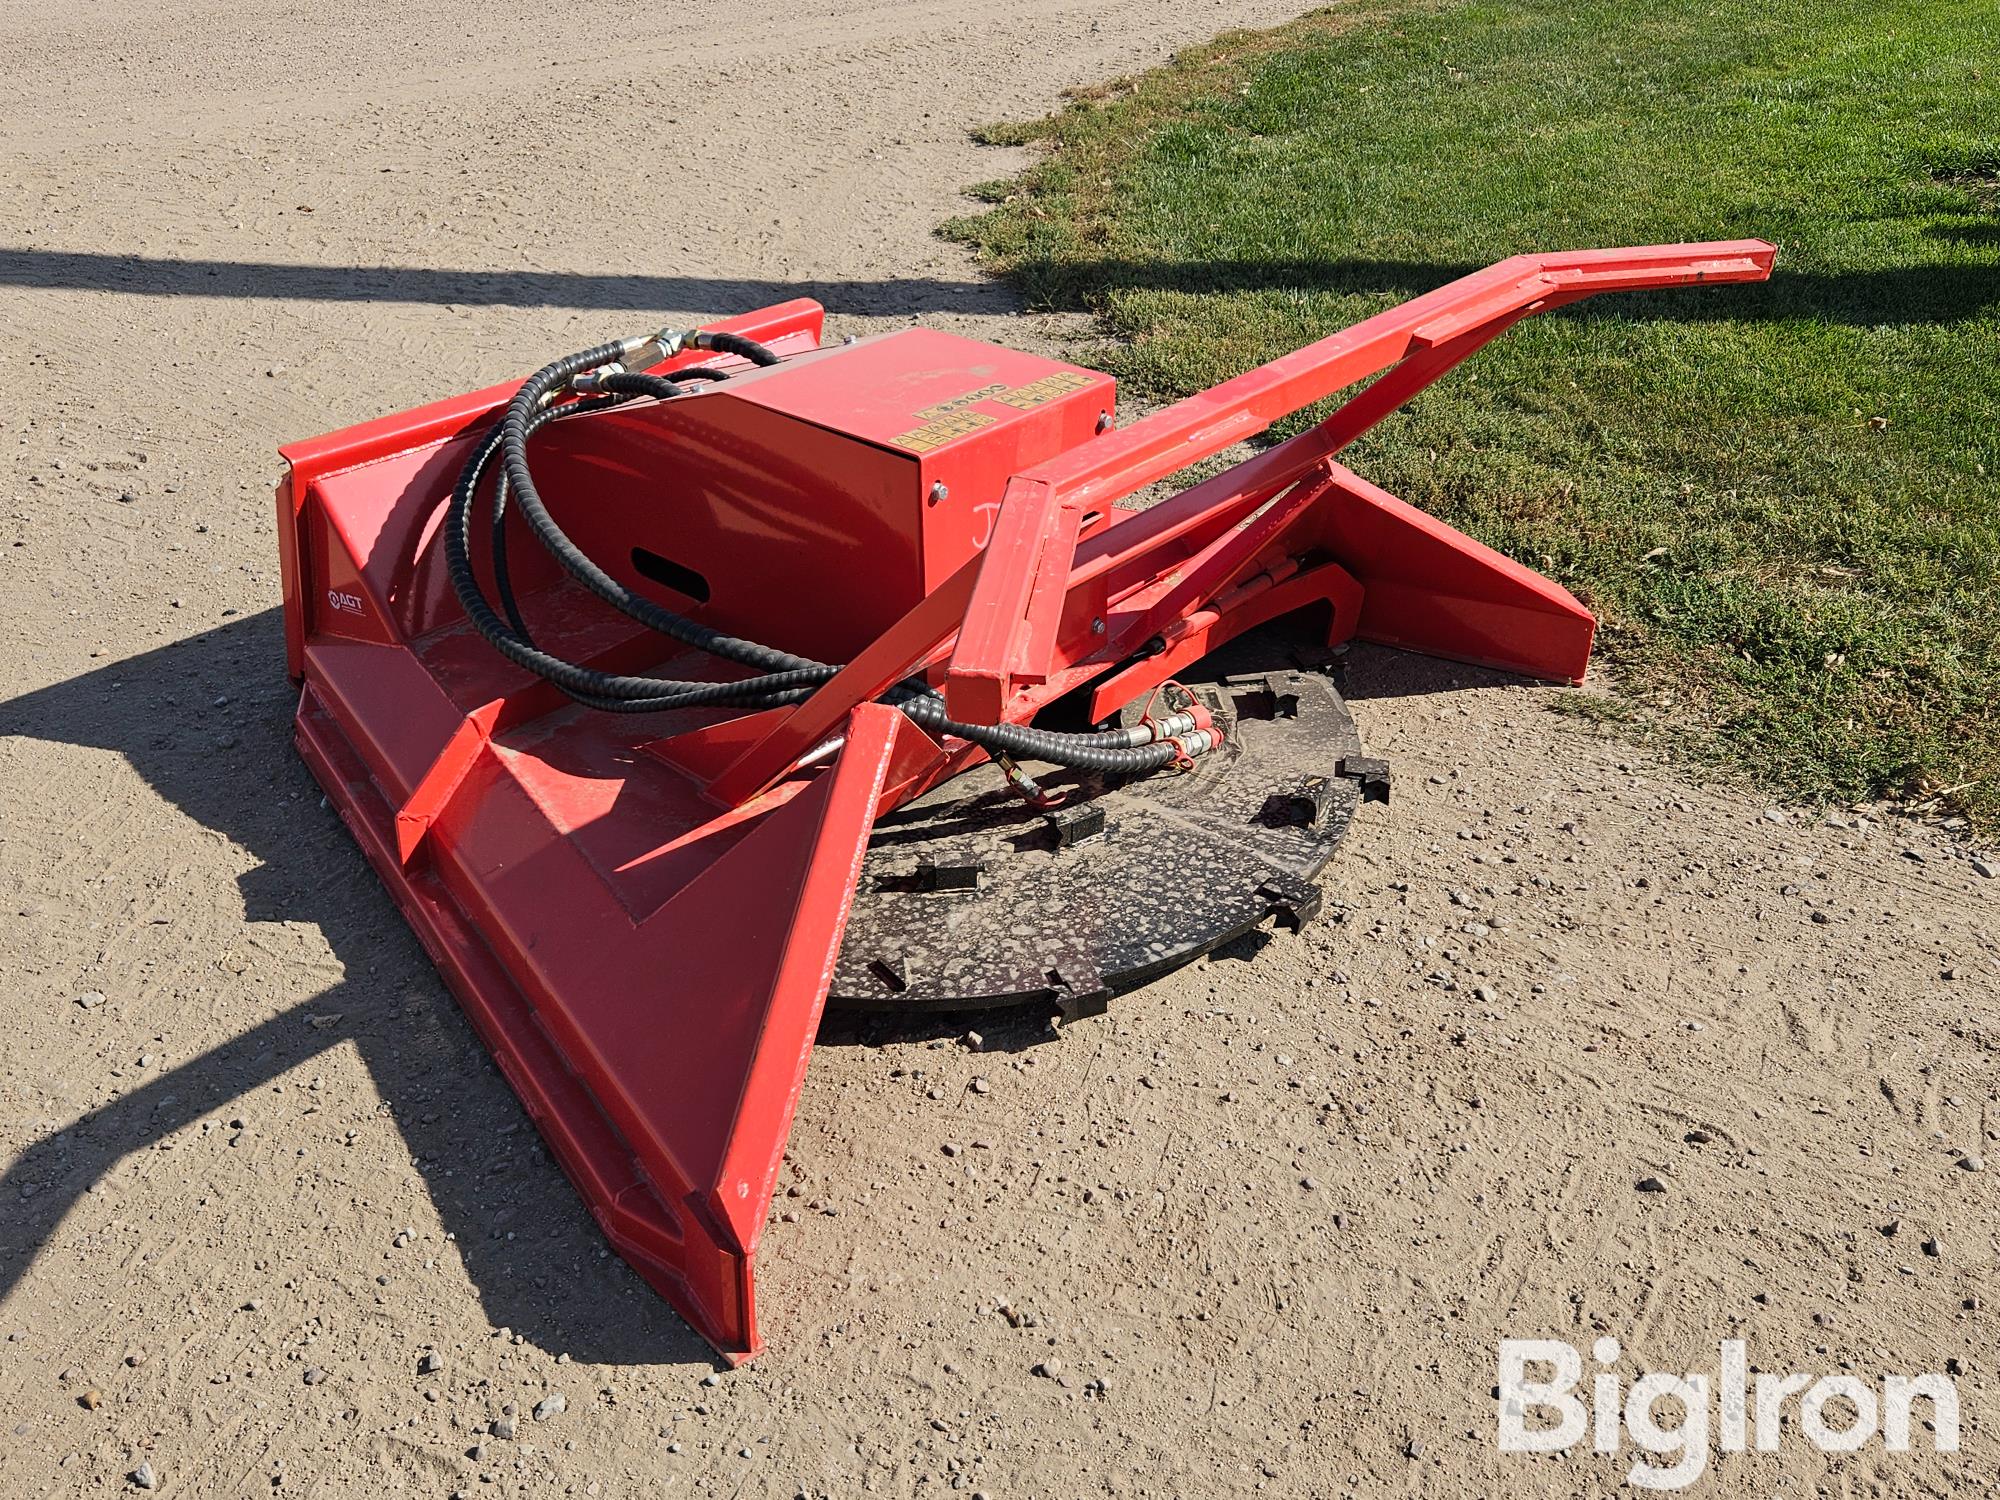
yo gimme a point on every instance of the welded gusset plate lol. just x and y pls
(969, 897)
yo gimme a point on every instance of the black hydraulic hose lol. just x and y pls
(497, 534)
(632, 383)
(514, 426)
(634, 694)
(735, 343)
(783, 678)
(1084, 752)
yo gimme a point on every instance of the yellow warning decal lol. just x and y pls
(970, 398)
(936, 434)
(1038, 392)
(950, 419)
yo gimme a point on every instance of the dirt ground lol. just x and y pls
(1263, 1225)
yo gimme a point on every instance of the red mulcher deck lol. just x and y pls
(642, 913)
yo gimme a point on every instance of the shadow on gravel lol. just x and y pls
(1902, 294)
(148, 276)
(481, 1161)
(1372, 672)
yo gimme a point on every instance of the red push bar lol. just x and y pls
(1008, 614)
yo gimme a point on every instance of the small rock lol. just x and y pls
(1971, 1163)
(1954, 1366)
(554, 1404)
(144, 1477)
(135, 1357)
(981, 1086)
(504, 1428)
(974, 1040)
(1048, 1369)
(1989, 868)
(431, 1363)
(1892, 1228)
(90, 999)
(1651, 1185)
(315, 1375)
(1934, 1247)
(949, 1148)
(1698, 1138)
(91, 1399)
(711, 1380)
(1308, 1183)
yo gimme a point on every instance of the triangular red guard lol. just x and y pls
(696, 1045)
(1428, 587)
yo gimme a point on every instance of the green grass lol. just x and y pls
(1781, 499)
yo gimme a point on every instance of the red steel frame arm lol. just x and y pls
(1010, 620)
(1006, 607)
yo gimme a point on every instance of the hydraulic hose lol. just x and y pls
(781, 677)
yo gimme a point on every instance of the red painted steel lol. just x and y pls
(641, 913)
(984, 666)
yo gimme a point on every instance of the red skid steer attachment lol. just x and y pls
(644, 872)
